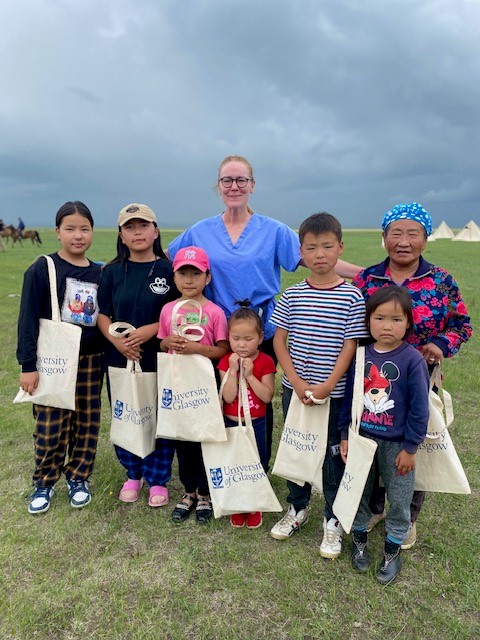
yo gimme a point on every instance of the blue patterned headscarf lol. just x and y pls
(412, 211)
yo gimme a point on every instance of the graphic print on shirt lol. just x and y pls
(159, 286)
(80, 303)
(377, 390)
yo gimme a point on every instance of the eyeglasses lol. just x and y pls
(227, 181)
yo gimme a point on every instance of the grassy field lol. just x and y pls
(126, 572)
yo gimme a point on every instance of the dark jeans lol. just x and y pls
(259, 428)
(267, 347)
(377, 499)
(332, 467)
(191, 468)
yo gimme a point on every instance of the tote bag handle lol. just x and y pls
(52, 277)
(242, 396)
(184, 329)
(436, 379)
(358, 389)
(120, 330)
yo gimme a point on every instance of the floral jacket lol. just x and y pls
(439, 313)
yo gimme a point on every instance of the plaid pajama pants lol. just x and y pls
(61, 433)
(155, 469)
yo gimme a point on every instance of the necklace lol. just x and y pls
(145, 288)
(322, 284)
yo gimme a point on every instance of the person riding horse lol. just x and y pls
(20, 228)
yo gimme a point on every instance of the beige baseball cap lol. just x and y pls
(135, 210)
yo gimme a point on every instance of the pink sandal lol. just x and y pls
(130, 490)
(158, 491)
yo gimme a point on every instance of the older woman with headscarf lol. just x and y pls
(441, 322)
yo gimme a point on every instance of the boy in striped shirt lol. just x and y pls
(319, 321)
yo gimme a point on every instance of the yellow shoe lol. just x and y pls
(411, 538)
(374, 520)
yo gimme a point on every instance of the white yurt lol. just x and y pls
(469, 233)
(442, 232)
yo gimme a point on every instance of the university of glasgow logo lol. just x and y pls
(118, 409)
(217, 477)
(166, 398)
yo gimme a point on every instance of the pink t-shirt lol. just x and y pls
(213, 321)
(262, 365)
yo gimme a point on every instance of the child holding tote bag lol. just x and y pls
(258, 369)
(395, 416)
(56, 428)
(191, 273)
(134, 287)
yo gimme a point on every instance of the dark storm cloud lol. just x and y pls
(340, 105)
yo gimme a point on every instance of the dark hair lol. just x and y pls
(399, 295)
(244, 313)
(320, 223)
(69, 208)
(123, 252)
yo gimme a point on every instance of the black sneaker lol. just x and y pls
(79, 493)
(392, 563)
(360, 558)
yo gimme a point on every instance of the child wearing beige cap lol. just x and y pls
(134, 287)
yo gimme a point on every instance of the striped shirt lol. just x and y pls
(318, 322)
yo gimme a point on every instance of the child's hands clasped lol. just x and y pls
(175, 343)
(234, 363)
(405, 462)
(247, 367)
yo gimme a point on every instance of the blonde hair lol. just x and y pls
(236, 159)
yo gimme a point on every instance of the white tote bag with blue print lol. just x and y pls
(236, 478)
(303, 443)
(134, 408)
(188, 404)
(438, 467)
(361, 452)
(58, 349)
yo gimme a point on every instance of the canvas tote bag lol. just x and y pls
(438, 467)
(236, 478)
(361, 452)
(188, 404)
(303, 444)
(134, 403)
(58, 348)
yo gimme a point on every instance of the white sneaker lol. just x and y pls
(79, 493)
(331, 546)
(289, 524)
(40, 500)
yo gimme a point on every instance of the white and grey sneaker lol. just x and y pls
(331, 546)
(289, 524)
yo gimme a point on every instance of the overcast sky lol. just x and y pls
(344, 106)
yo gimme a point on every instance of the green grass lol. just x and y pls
(117, 571)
